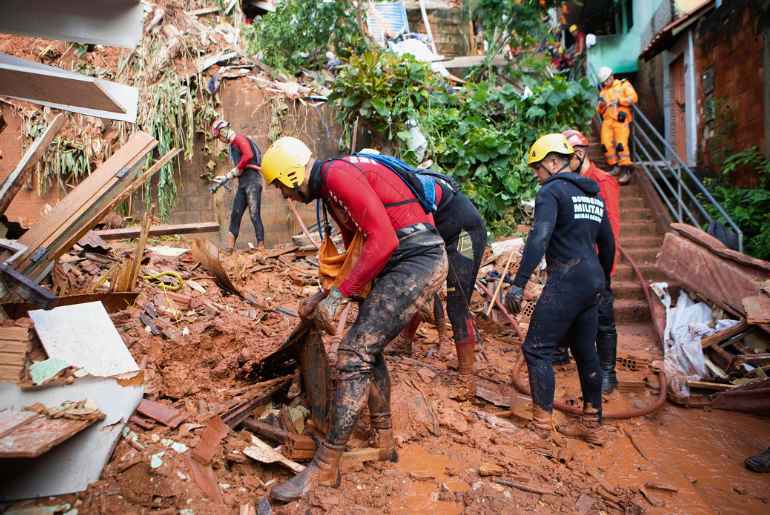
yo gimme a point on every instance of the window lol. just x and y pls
(629, 10)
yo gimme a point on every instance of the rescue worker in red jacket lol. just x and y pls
(246, 157)
(609, 192)
(402, 254)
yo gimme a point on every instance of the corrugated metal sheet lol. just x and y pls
(386, 17)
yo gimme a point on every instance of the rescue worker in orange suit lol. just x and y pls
(617, 98)
(246, 157)
(609, 192)
(402, 257)
(570, 224)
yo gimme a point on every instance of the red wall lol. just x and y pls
(736, 58)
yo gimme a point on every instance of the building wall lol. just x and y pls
(264, 118)
(731, 58)
(450, 29)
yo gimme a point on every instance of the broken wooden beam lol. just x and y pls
(12, 184)
(83, 207)
(241, 409)
(705, 385)
(724, 334)
(129, 233)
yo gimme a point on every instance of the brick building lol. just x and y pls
(713, 62)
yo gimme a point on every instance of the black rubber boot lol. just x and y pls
(607, 348)
(759, 462)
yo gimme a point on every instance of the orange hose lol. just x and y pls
(523, 388)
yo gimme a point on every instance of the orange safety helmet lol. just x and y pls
(576, 138)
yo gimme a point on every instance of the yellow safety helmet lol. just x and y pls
(286, 160)
(549, 143)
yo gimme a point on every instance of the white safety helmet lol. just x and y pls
(604, 73)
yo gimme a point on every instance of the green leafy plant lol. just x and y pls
(298, 34)
(748, 207)
(478, 133)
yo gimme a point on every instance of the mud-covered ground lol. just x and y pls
(454, 457)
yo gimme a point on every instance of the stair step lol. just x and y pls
(635, 213)
(631, 190)
(624, 272)
(643, 255)
(641, 228)
(631, 310)
(632, 202)
(627, 290)
(636, 242)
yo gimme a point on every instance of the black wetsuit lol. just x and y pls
(248, 194)
(570, 222)
(465, 235)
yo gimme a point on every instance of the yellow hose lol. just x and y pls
(156, 278)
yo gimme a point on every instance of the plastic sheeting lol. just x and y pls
(686, 324)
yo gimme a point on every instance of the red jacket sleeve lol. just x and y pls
(244, 147)
(349, 188)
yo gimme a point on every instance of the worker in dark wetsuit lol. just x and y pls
(402, 256)
(570, 222)
(465, 236)
(246, 157)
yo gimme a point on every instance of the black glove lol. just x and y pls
(513, 299)
(622, 116)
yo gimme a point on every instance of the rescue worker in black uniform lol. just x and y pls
(570, 223)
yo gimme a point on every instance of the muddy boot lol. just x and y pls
(759, 462)
(587, 427)
(384, 439)
(466, 359)
(542, 422)
(230, 246)
(324, 470)
(607, 348)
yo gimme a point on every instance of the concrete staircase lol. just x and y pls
(641, 239)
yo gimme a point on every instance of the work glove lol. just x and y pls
(327, 310)
(513, 299)
(308, 306)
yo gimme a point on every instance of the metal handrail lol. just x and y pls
(670, 177)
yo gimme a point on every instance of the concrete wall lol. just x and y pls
(261, 116)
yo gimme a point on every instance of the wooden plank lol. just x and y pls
(14, 333)
(471, 60)
(39, 435)
(112, 302)
(10, 373)
(12, 358)
(16, 178)
(14, 346)
(723, 335)
(139, 252)
(90, 206)
(63, 213)
(159, 230)
(705, 385)
(11, 419)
